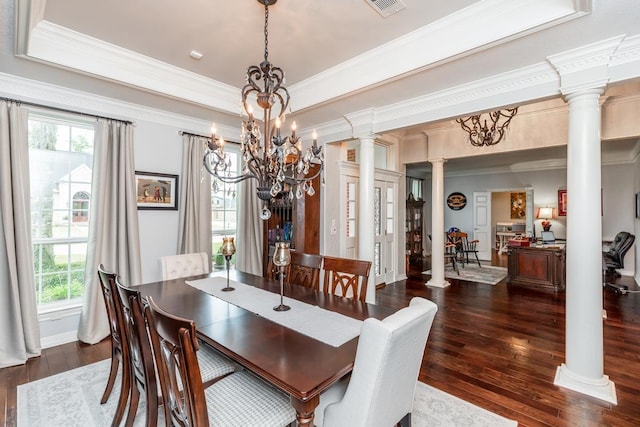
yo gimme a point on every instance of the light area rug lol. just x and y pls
(72, 398)
(488, 274)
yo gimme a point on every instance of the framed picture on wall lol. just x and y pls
(156, 191)
(562, 202)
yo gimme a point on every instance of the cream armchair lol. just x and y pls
(184, 265)
(385, 372)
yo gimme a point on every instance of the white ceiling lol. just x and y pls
(340, 57)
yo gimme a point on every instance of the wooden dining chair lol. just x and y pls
(465, 247)
(143, 370)
(380, 391)
(119, 345)
(304, 270)
(143, 375)
(239, 399)
(346, 277)
(184, 265)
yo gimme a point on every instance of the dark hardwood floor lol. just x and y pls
(494, 346)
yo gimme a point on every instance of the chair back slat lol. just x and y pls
(175, 346)
(142, 363)
(346, 277)
(120, 354)
(304, 270)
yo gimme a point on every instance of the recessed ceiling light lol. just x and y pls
(195, 54)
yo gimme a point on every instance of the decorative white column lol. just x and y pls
(366, 209)
(584, 74)
(437, 225)
(583, 370)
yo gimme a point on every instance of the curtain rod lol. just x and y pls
(184, 132)
(64, 110)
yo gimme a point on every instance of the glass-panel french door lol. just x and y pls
(384, 225)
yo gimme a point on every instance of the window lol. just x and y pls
(60, 162)
(351, 209)
(414, 185)
(80, 207)
(224, 210)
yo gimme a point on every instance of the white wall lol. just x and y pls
(158, 148)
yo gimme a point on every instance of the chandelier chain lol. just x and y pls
(266, 31)
(279, 164)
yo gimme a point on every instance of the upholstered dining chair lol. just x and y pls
(346, 277)
(304, 270)
(119, 345)
(239, 399)
(184, 265)
(143, 371)
(380, 390)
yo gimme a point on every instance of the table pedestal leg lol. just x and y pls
(304, 410)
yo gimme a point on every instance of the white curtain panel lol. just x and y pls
(250, 229)
(113, 223)
(194, 225)
(19, 327)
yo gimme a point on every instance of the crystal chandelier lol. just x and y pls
(279, 164)
(481, 132)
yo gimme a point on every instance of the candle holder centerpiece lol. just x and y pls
(282, 258)
(228, 249)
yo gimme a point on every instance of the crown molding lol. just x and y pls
(47, 94)
(538, 81)
(61, 46)
(586, 67)
(482, 29)
(480, 26)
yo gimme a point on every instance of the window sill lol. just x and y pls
(57, 313)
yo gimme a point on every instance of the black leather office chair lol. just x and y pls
(613, 259)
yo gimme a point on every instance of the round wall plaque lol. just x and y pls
(456, 201)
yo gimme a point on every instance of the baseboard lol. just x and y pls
(59, 339)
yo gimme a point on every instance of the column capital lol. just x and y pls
(362, 123)
(439, 161)
(587, 67)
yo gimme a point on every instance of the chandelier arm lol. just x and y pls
(308, 178)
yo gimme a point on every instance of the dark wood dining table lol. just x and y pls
(299, 365)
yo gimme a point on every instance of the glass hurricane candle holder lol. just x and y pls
(282, 258)
(228, 249)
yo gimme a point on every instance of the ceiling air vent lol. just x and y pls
(387, 7)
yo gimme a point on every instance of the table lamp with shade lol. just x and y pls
(545, 213)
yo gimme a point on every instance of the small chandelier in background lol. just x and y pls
(279, 164)
(483, 131)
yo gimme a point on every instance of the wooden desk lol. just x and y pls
(298, 365)
(537, 266)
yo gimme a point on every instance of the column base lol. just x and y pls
(438, 284)
(600, 388)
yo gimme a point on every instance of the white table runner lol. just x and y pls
(323, 325)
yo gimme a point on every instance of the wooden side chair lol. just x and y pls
(464, 246)
(185, 265)
(346, 277)
(142, 365)
(143, 370)
(380, 391)
(239, 399)
(304, 270)
(119, 345)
